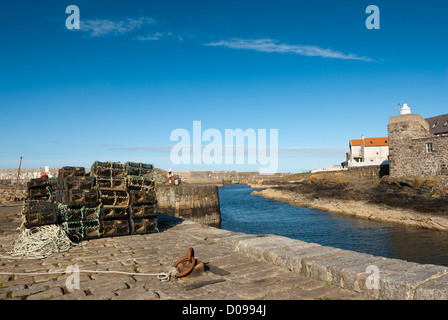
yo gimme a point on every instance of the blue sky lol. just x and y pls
(136, 70)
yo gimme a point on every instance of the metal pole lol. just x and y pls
(17, 181)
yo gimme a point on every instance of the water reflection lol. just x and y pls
(242, 212)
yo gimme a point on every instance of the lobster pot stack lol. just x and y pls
(42, 189)
(39, 209)
(114, 198)
(142, 198)
(127, 198)
(78, 204)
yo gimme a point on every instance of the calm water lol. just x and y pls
(242, 212)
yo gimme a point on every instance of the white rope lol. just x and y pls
(40, 242)
(162, 276)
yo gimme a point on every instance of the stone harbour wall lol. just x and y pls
(198, 203)
(222, 177)
(370, 172)
(378, 277)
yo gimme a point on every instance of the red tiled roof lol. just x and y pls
(376, 142)
(371, 142)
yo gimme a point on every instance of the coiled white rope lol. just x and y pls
(40, 242)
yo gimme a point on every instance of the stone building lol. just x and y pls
(418, 147)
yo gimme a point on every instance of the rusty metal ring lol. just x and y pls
(191, 263)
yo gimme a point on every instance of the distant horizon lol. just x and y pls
(89, 168)
(174, 172)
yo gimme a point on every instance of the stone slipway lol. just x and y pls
(242, 266)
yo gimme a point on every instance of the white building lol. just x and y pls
(368, 151)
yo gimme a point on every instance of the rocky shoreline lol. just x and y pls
(384, 200)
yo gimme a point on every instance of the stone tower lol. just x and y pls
(413, 149)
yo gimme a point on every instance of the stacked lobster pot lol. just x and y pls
(78, 203)
(142, 197)
(114, 199)
(42, 189)
(39, 208)
(127, 198)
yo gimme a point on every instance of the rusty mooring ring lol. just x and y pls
(191, 263)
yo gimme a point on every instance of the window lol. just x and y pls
(445, 124)
(434, 125)
(429, 147)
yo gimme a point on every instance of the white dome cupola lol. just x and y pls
(405, 109)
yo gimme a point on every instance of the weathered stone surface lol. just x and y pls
(29, 290)
(47, 294)
(104, 285)
(354, 277)
(401, 285)
(433, 289)
(301, 259)
(329, 269)
(136, 294)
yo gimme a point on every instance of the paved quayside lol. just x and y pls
(242, 267)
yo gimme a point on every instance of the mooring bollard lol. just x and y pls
(189, 267)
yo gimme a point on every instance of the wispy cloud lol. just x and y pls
(272, 45)
(101, 28)
(154, 36)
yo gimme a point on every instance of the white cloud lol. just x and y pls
(271, 45)
(100, 28)
(153, 36)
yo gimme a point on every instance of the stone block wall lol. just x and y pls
(370, 172)
(435, 163)
(221, 177)
(10, 191)
(198, 203)
(408, 155)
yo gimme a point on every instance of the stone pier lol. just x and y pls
(198, 203)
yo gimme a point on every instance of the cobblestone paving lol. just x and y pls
(231, 275)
